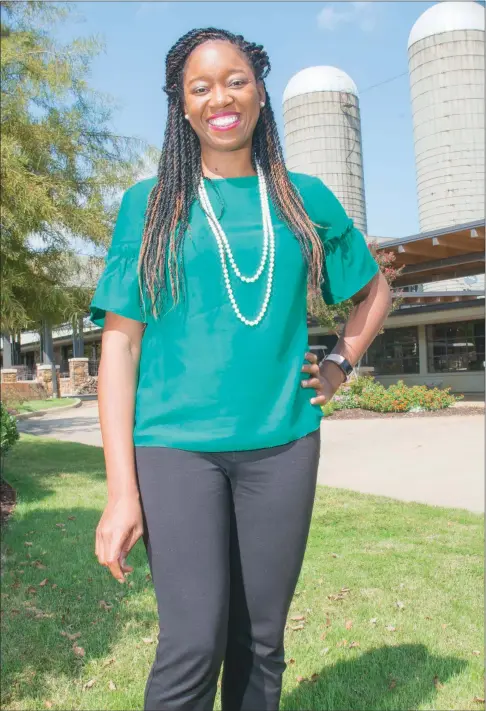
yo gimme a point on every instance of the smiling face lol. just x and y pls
(221, 96)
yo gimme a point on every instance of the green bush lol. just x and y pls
(9, 434)
(401, 398)
(367, 393)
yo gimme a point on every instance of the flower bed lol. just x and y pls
(368, 394)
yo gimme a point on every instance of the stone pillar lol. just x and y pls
(7, 350)
(9, 375)
(44, 376)
(78, 372)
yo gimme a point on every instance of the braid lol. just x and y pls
(179, 173)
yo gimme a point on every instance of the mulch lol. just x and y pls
(7, 501)
(359, 414)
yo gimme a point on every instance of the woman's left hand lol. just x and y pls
(326, 384)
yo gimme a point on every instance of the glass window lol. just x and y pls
(394, 352)
(455, 347)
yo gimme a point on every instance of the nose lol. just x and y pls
(220, 97)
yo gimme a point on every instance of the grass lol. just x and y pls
(423, 653)
(36, 405)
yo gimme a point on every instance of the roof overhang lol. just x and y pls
(449, 253)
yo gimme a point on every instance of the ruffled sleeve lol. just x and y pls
(349, 264)
(118, 287)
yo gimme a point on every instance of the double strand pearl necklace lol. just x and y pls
(225, 249)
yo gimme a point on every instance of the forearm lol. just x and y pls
(364, 323)
(116, 401)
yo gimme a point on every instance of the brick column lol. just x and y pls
(44, 376)
(9, 375)
(78, 372)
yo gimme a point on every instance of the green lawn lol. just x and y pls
(36, 405)
(406, 632)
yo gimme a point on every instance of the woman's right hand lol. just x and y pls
(120, 527)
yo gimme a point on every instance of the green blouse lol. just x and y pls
(206, 381)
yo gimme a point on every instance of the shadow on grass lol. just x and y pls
(37, 618)
(355, 685)
(35, 648)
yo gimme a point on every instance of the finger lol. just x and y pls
(314, 369)
(314, 383)
(319, 400)
(115, 569)
(311, 357)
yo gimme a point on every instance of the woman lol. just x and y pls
(210, 416)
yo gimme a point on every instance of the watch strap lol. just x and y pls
(341, 362)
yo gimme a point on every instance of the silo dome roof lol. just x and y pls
(447, 17)
(319, 79)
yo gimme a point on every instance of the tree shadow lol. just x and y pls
(384, 679)
(79, 596)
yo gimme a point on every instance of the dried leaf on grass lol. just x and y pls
(89, 684)
(148, 640)
(105, 605)
(391, 628)
(108, 662)
(349, 624)
(437, 683)
(43, 582)
(71, 637)
(298, 618)
(478, 700)
(112, 685)
(78, 651)
(296, 628)
(354, 644)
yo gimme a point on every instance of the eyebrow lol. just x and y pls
(203, 77)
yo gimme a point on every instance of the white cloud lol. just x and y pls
(362, 14)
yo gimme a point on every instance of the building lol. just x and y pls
(436, 336)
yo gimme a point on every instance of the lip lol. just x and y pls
(221, 115)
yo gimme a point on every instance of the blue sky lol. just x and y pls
(368, 40)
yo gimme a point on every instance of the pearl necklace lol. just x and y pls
(225, 249)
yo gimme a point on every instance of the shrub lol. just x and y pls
(9, 434)
(328, 408)
(367, 393)
(401, 398)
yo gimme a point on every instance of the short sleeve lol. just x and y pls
(118, 287)
(349, 264)
(348, 267)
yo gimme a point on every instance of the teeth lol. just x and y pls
(224, 121)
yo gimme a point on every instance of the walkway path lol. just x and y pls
(433, 460)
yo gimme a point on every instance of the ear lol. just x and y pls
(261, 92)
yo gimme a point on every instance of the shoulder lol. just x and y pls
(130, 220)
(320, 202)
(137, 195)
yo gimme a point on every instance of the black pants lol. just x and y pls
(225, 535)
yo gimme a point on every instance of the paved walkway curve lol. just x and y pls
(433, 460)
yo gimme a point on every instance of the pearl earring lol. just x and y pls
(262, 104)
(186, 116)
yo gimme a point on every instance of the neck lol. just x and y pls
(228, 164)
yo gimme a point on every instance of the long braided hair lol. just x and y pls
(180, 171)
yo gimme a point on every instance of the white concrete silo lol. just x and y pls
(323, 134)
(446, 64)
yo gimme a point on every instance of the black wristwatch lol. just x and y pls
(341, 362)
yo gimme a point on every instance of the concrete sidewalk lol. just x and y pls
(432, 460)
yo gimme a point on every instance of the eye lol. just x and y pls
(199, 90)
(238, 82)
